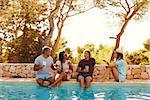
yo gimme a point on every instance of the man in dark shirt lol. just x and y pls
(85, 70)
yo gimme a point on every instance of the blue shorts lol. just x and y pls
(122, 78)
(44, 76)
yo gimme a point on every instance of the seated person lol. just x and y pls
(85, 70)
(64, 68)
(117, 67)
(42, 65)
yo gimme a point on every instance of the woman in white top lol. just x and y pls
(64, 69)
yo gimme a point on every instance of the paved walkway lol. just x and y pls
(73, 81)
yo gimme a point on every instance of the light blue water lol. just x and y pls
(12, 91)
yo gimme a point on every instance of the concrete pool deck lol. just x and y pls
(73, 81)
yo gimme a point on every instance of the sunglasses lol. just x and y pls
(65, 55)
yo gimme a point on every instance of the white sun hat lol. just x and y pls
(119, 50)
(46, 47)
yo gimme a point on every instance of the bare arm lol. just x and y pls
(112, 65)
(91, 70)
(106, 62)
(79, 70)
(37, 67)
(57, 67)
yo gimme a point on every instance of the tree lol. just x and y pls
(62, 45)
(141, 56)
(69, 52)
(126, 10)
(100, 53)
(1, 48)
(60, 11)
(137, 57)
(21, 18)
(103, 53)
(20, 15)
(24, 50)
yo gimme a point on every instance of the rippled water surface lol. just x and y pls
(14, 91)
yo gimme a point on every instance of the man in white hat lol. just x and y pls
(42, 65)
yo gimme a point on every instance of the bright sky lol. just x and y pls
(95, 27)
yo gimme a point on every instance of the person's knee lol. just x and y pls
(88, 79)
(63, 74)
(40, 81)
(108, 69)
(81, 78)
(51, 80)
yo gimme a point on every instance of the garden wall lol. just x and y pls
(26, 71)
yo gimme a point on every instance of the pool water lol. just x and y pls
(14, 91)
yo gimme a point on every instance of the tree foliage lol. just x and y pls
(22, 49)
(139, 57)
(16, 15)
(46, 16)
(125, 10)
(100, 53)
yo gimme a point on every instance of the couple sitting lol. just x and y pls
(48, 71)
(61, 70)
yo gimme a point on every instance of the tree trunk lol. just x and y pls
(127, 19)
(121, 33)
(56, 43)
(50, 34)
(119, 36)
(47, 39)
(25, 32)
(44, 40)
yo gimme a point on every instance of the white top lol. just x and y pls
(64, 65)
(46, 62)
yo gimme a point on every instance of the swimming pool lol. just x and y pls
(14, 91)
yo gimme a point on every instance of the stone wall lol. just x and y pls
(17, 70)
(133, 72)
(26, 71)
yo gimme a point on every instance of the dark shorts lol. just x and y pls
(85, 75)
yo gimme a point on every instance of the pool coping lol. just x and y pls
(73, 81)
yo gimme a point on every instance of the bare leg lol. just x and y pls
(58, 84)
(51, 80)
(115, 73)
(63, 78)
(81, 80)
(40, 81)
(88, 81)
(59, 79)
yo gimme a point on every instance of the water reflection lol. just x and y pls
(116, 94)
(89, 94)
(71, 94)
(74, 92)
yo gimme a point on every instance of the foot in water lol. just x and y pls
(50, 86)
(58, 85)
